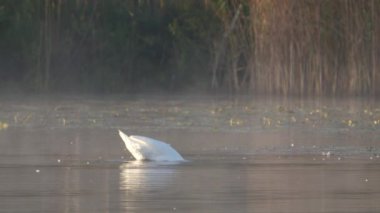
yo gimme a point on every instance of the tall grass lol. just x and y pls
(282, 47)
(305, 47)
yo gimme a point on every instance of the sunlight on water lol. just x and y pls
(143, 180)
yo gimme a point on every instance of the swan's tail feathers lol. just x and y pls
(121, 133)
(124, 137)
(131, 146)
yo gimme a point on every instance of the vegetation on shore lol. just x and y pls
(281, 47)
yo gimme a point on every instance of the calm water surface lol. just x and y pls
(64, 155)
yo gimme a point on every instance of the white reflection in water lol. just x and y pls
(143, 180)
(138, 175)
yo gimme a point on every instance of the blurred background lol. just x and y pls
(288, 47)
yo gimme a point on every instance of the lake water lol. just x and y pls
(63, 154)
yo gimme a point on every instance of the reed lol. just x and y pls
(303, 47)
(280, 47)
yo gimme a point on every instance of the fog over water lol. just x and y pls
(64, 154)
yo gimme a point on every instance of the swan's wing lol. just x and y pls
(156, 150)
(144, 148)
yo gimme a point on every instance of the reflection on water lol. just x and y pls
(252, 184)
(145, 182)
(208, 183)
(244, 156)
(138, 176)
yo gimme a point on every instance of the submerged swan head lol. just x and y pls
(144, 148)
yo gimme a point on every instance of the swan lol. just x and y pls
(144, 148)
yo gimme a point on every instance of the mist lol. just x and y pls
(273, 105)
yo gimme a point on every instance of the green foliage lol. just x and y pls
(282, 47)
(104, 46)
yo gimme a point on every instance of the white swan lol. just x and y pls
(144, 148)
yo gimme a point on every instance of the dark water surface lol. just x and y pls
(64, 155)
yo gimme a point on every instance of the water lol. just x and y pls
(65, 155)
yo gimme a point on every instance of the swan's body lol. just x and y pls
(144, 148)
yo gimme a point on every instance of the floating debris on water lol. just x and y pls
(293, 119)
(327, 154)
(266, 122)
(350, 123)
(235, 122)
(3, 125)
(280, 108)
(37, 171)
(59, 160)
(368, 112)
